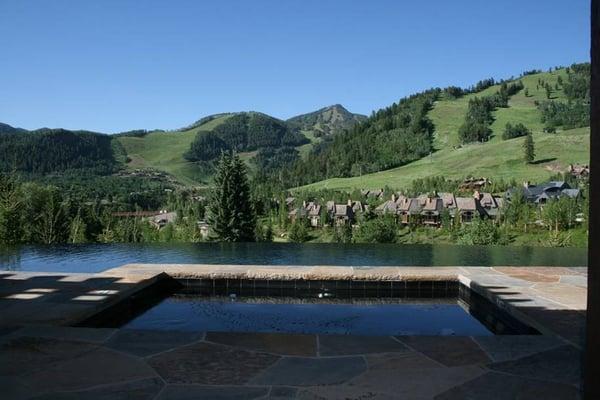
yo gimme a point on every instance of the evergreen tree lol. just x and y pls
(548, 91)
(529, 149)
(230, 212)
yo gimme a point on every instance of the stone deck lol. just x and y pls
(42, 357)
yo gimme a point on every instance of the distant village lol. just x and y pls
(426, 210)
(422, 210)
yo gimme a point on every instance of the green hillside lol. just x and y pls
(494, 159)
(164, 151)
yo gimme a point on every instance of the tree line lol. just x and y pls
(575, 112)
(56, 150)
(390, 137)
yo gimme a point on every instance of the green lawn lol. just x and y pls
(494, 159)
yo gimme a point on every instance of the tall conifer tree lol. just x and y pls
(529, 148)
(230, 212)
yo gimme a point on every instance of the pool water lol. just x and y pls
(223, 314)
(99, 257)
(311, 307)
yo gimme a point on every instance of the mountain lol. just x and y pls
(185, 153)
(45, 151)
(496, 159)
(326, 121)
(7, 129)
(417, 137)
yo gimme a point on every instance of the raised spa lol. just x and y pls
(313, 307)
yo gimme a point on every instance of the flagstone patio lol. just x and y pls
(42, 356)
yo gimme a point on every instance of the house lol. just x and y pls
(297, 214)
(309, 210)
(343, 214)
(448, 200)
(579, 171)
(408, 209)
(162, 219)
(490, 204)
(431, 211)
(467, 209)
(314, 215)
(540, 194)
(377, 194)
(474, 183)
(388, 207)
(359, 207)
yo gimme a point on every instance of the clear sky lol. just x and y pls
(114, 65)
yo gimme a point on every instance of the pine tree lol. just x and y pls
(230, 211)
(529, 148)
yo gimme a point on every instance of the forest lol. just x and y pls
(56, 150)
(391, 137)
(243, 132)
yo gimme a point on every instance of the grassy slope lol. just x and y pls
(495, 159)
(164, 151)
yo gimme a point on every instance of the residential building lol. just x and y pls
(540, 194)
(431, 211)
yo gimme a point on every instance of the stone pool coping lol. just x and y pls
(40, 355)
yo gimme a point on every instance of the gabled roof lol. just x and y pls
(314, 211)
(408, 205)
(488, 201)
(448, 200)
(434, 204)
(343, 210)
(466, 204)
(389, 206)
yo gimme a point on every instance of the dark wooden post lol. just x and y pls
(591, 383)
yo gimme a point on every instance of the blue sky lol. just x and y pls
(115, 65)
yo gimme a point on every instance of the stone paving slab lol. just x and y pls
(506, 387)
(343, 345)
(288, 345)
(142, 389)
(64, 369)
(301, 371)
(195, 392)
(41, 357)
(98, 367)
(144, 343)
(561, 364)
(502, 348)
(92, 335)
(210, 364)
(453, 351)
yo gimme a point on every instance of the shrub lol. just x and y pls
(513, 131)
(299, 232)
(480, 232)
(378, 230)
